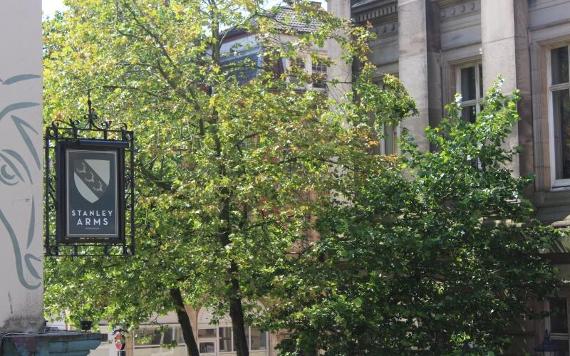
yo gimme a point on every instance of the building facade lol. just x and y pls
(162, 336)
(442, 47)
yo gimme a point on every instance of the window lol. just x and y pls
(557, 323)
(298, 63)
(220, 332)
(158, 335)
(318, 73)
(390, 132)
(558, 316)
(559, 118)
(390, 139)
(242, 66)
(296, 70)
(206, 332)
(469, 83)
(310, 74)
(226, 339)
(207, 347)
(169, 336)
(179, 336)
(148, 336)
(258, 339)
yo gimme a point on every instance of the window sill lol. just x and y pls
(553, 206)
(560, 187)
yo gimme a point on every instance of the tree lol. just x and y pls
(227, 172)
(436, 252)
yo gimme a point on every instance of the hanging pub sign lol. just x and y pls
(89, 194)
(90, 176)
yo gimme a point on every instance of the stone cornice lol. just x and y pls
(447, 3)
(453, 8)
(370, 10)
(386, 29)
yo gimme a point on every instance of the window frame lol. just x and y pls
(266, 339)
(219, 340)
(307, 67)
(555, 183)
(478, 65)
(395, 131)
(319, 62)
(299, 63)
(548, 325)
(208, 341)
(174, 328)
(216, 339)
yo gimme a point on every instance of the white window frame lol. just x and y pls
(554, 183)
(216, 340)
(478, 85)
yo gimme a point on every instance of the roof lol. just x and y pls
(288, 19)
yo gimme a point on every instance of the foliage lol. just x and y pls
(227, 171)
(435, 253)
(428, 251)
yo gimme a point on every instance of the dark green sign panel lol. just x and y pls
(90, 191)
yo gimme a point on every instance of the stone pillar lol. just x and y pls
(339, 70)
(21, 202)
(413, 63)
(435, 85)
(522, 55)
(498, 43)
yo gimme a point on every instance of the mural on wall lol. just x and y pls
(21, 166)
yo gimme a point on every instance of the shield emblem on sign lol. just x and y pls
(92, 177)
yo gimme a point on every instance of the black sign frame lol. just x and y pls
(63, 149)
(66, 137)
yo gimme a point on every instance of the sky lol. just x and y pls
(49, 7)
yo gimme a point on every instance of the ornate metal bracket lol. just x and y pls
(91, 130)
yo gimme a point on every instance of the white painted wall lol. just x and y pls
(20, 166)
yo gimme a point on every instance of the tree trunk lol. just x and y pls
(236, 310)
(236, 313)
(184, 320)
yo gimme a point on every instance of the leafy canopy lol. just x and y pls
(227, 172)
(438, 253)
